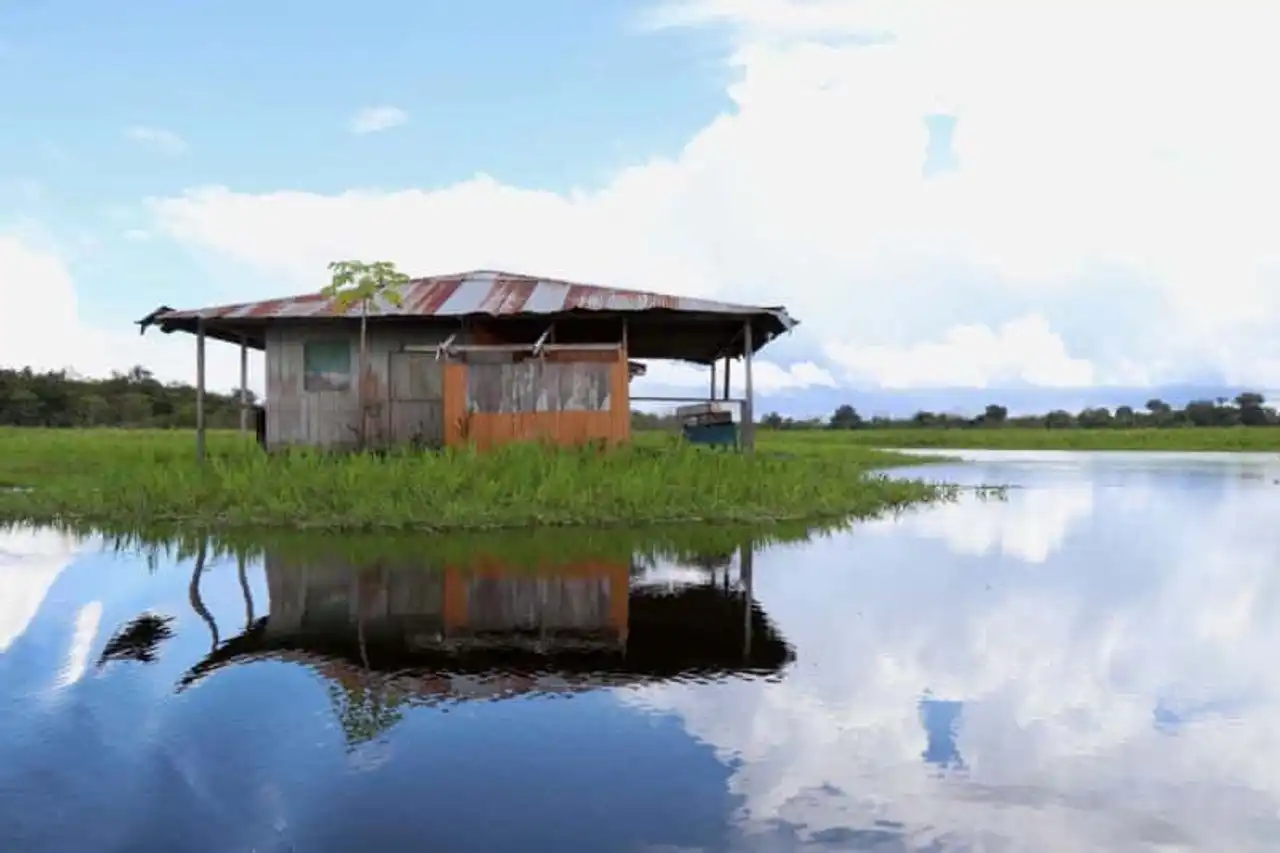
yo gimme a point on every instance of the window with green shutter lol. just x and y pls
(326, 365)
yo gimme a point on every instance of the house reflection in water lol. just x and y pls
(493, 628)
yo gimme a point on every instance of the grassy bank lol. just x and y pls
(1188, 439)
(126, 476)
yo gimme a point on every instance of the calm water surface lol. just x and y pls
(1089, 665)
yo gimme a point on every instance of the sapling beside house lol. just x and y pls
(359, 283)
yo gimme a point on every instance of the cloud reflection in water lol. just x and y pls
(1122, 696)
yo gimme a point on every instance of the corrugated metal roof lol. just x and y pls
(480, 292)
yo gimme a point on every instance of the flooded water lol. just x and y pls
(1088, 665)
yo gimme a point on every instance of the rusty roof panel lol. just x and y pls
(480, 292)
(429, 299)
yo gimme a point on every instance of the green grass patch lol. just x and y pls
(1168, 439)
(129, 479)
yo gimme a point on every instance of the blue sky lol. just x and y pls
(932, 218)
(546, 96)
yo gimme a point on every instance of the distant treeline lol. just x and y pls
(132, 399)
(1246, 409)
(138, 399)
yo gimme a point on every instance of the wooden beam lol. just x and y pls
(542, 340)
(443, 349)
(244, 384)
(661, 399)
(464, 348)
(727, 361)
(713, 381)
(200, 391)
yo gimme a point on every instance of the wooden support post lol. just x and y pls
(244, 385)
(727, 362)
(746, 569)
(625, 355)
(245, 591)
(193, 593)
(748, 402)
(713, 381)
(200, 391)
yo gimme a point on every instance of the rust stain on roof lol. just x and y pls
(427, 299)
(507, 296)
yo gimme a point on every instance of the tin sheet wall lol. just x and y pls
(405, 390)
(489, 596)
(332, 595)
(570, 397)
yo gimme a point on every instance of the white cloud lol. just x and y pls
(59, 337)
(158, 138)
(376, 119)
(974, 356)
(1105, 212)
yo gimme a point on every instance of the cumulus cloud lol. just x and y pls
(377, 119)
(1102, 212)
(1110, 699)
(157, 138)
(972, 356)
(49, 333)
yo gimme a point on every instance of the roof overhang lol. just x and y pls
(655, 333)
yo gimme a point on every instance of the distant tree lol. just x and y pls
(1252, 412)
(994, 415)
(1250, 399)
(773, 420)
(359, 283)
(1094, 418)
(1124, 416)
(1161, 412)
(845, 417)
(1059, 419)
(93, 410)
(24, 406)
(131, 399)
